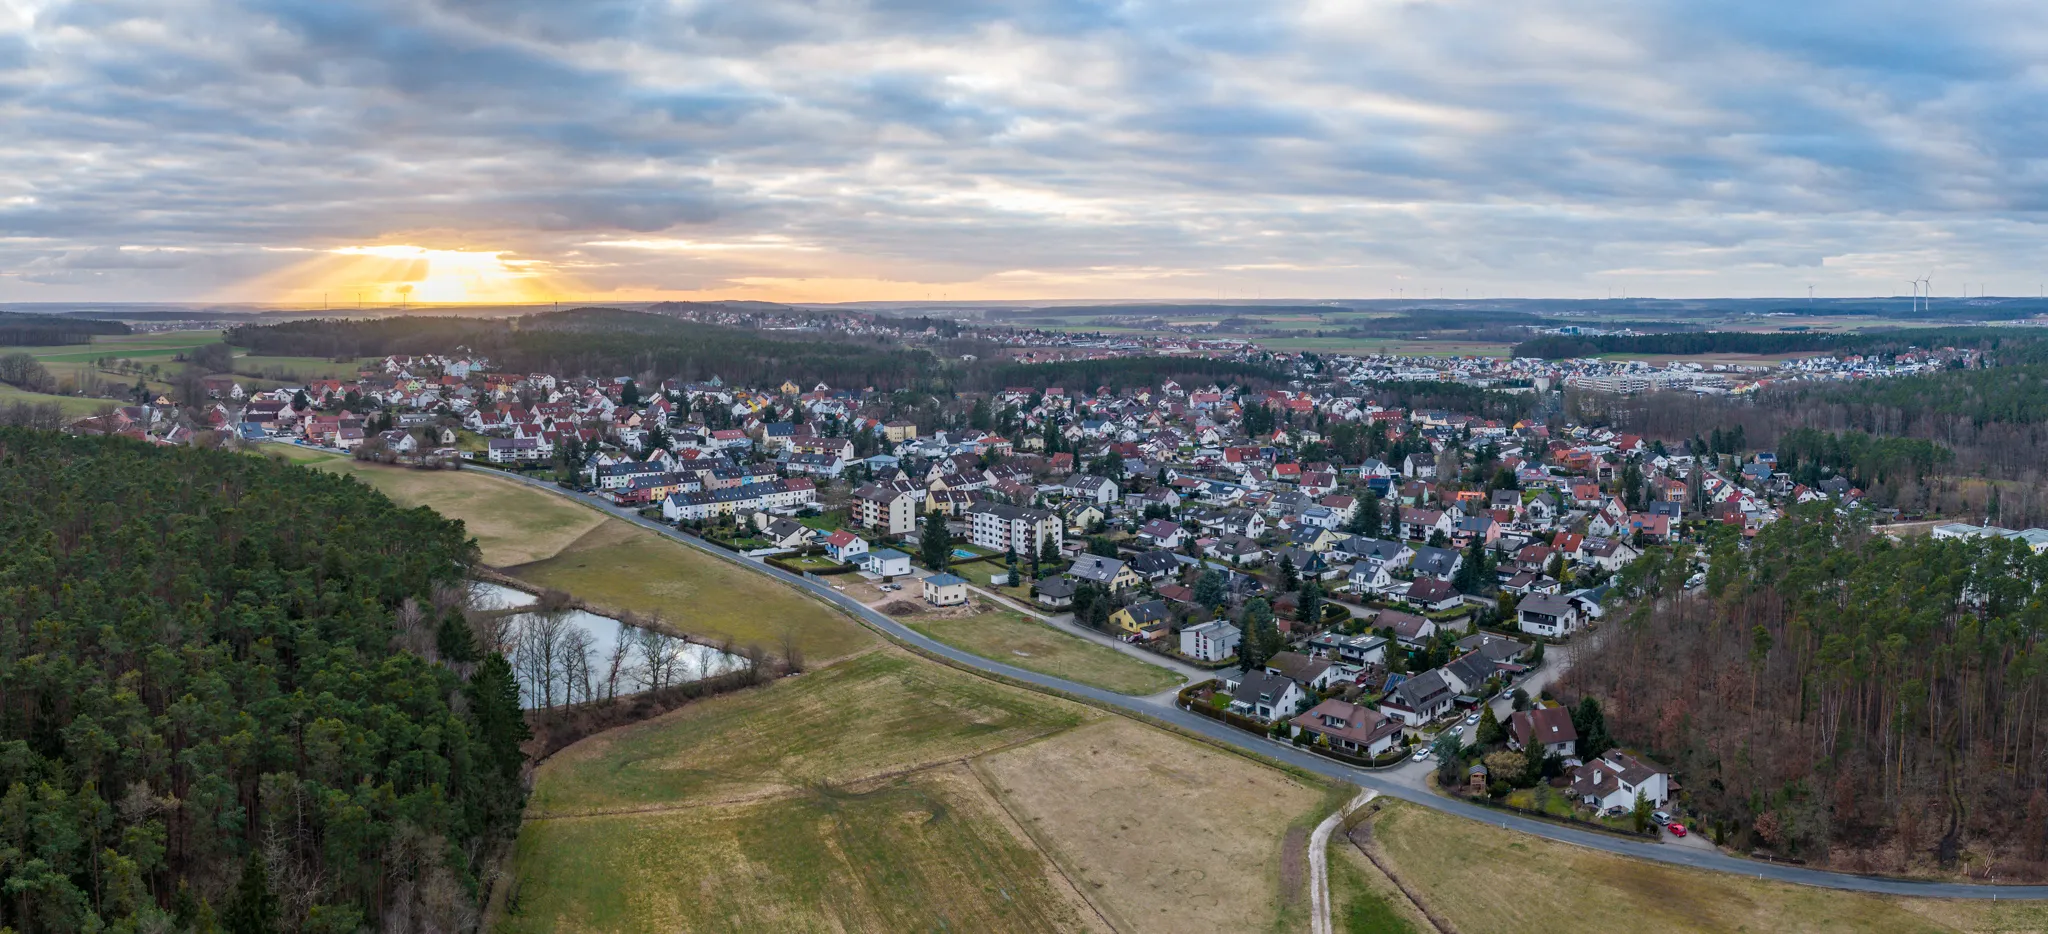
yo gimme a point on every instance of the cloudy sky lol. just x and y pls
(281, 150)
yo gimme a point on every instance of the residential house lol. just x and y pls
(1264, 695)
(1057, 592)
(1409, 629)
(1162, 533)
(1212, 641)
(945, 590)
(1140, 618)
(845, 547)
(1614, 779)
(1111, 573)
(1432, 594)
(1348, 727)
(1419, 699)
(1550, 615)
(885, 562)
(1551, 726)
(1156, 565)
(1307, 671)
(890, 509)
(1100, 490)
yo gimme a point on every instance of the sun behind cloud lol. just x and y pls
(402, 273)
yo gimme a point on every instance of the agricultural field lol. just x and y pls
(1164, 833)
(513, 524)
(297, 369)
(1387, 345)
(73, 406)
(1013, 639)
(1362, 901)
(158, 347)
(1482, 878)
(624, 567)
(929, 851)
(881, 713)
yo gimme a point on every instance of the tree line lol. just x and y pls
(603, 342)
(1565, 346)
(17, 330)
(238, 695)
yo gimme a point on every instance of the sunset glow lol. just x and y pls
(403, 273)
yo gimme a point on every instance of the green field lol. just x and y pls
(1013, 639)
(623, 566)
(158, 347)
(877, 713)
(1357, 904)
(1483, 878)
(73, 406)
(301, 369)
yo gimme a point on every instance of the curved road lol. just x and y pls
(1217, 731)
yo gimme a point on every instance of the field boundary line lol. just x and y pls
(1052, 854)
(1363, 829)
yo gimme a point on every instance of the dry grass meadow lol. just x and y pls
(1484, 880)
(512, 524)
(1165, 833)
(1014, 639)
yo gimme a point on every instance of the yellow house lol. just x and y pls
(899, 432)
(1138, 617)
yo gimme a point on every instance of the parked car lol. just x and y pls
(1616, 811)
(1422, 755)
(1660, 817)
(1472, 718)
(1677, 830)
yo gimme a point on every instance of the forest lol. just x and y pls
(238, 695)
(1562, 347)
(604, 342)
(1991, 422)
(1846, 699)
(1126, 373)
(17, 330)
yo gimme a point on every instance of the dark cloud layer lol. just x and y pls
(172, 149)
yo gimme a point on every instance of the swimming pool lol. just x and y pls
(964, 553)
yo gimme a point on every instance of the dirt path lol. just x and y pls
(1319, 864)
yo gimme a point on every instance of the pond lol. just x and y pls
(571, 656)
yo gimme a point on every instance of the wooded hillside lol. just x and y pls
(1848, 698)
(220, 701)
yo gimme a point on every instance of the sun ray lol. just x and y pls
(402, 273)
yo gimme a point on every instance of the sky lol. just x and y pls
(299, 151)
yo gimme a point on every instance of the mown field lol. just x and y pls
(158, 347)
(1485, 879)
(73, 406)
(1012, 638)
(623, 566)
(1166, 834)
(513, 524)
(879, 713)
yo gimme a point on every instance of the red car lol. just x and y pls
(1677, 830)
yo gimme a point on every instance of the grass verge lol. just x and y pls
(1013, 639)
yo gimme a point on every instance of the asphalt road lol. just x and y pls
(1403, 786)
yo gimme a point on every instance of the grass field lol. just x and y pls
(877, 713)
(1485, 879)
(1361, 900)
(1367, 345)
(622, 566)
(926, 852)
(513, 524)
(156, 347)
(1163, 833)
(1011, 638)
(303, 368)
(73, 406)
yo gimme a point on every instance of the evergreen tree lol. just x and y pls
(1289, 578)
(454, 640)
(254, 907)
(494, 705)
(629, 394)
(935, 545)
(1366, 521)
(1210, 590)
(1490, 731)
(1591, 724)
(1309, 608)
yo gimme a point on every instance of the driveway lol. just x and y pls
(1388, 783)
